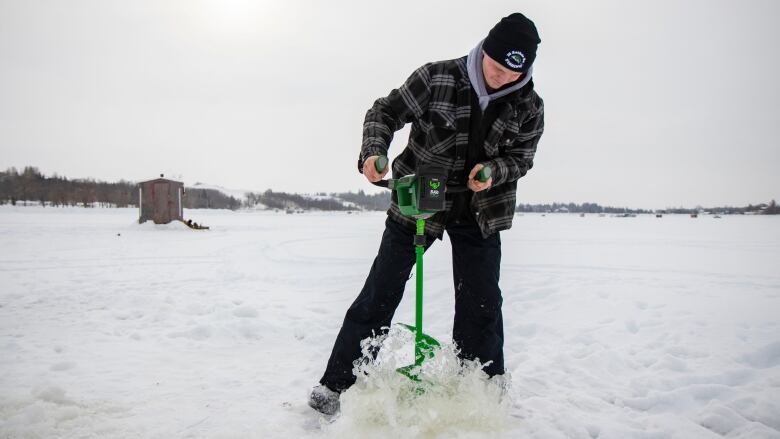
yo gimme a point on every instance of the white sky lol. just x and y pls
(648, 103)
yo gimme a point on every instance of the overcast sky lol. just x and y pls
(648, 103)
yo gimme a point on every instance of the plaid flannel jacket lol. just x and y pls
(436, 101)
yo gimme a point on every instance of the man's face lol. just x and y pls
(496, 75)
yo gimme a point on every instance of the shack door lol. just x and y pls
(160, 203)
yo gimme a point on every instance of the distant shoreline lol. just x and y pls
(34, 187)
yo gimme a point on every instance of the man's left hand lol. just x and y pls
(476, 185)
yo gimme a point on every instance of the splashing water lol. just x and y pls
(453, 396)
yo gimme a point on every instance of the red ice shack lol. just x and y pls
(159, 200)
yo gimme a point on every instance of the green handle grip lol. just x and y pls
(484, 174)
(381, 163)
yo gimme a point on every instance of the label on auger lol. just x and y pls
(432, 190)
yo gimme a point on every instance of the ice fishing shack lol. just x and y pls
(160, 200)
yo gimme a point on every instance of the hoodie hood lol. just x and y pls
(477, 79)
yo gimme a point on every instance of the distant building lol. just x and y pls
(159, 200)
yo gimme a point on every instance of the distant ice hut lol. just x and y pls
(159, 200)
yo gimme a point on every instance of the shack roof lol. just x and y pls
(160, 180)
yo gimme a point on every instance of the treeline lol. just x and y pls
(284, 201)
(378, 201)
(770, 208)
(208, 199)
(321, 201)
(30, 185)
(575, 208)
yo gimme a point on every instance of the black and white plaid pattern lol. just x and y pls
(435, 100)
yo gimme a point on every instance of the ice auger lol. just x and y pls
(420, 196)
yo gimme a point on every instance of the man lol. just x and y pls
(467, 113)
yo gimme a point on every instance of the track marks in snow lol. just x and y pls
(246, 312)
(631, 326)
(720, 419)
(680, 397)
(129, 314)
(198, 333)
(537, 294)
(48, 411)
(764, 358)
(62, 366)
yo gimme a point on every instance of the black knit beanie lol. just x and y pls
(512, 42)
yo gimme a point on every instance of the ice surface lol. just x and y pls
(614, 327)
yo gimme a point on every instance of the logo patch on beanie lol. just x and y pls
(515, 59)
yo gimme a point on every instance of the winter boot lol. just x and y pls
(324, 400)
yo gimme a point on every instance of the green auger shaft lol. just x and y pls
(419, 249)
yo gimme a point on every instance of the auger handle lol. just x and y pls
(380, 163)
(484, 174)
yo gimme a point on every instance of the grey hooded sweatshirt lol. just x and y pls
(477, 79)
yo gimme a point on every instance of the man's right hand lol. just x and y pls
(369, 170)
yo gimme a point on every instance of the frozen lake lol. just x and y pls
(615, 327)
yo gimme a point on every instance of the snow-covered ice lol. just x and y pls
(615, 327)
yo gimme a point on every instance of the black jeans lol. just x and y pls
(478, 327)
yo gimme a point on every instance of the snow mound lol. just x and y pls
(454, 397)
(173, 225)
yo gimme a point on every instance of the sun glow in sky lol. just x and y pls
(237, 18)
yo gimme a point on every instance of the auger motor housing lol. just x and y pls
(422, 195)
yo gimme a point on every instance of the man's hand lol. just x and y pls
(476, 185)
(369, 169)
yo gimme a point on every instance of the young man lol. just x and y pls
(467, 113)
